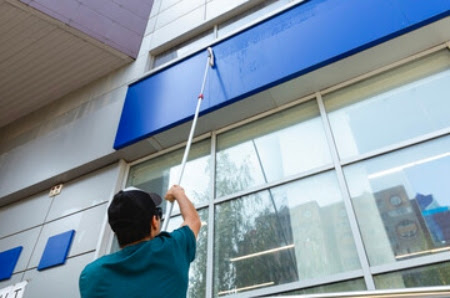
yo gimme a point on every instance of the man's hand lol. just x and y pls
(174, 192)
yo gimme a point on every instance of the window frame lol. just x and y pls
(367, 272)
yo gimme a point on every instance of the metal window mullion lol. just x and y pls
(273, 184)
(411, 263)
(439, 291)
(397, 146)
(210, 243)
(298, 285)
(197, 207)
(363, 259)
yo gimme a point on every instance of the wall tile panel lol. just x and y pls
(25, 239)
(177, 11)
(59, 281)
(84, 192)
(86, 224)
(24, 214)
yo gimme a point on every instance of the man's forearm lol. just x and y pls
(190, 215)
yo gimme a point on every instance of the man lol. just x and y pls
(150, 263)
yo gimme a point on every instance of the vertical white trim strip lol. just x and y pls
(210, 244)
(346, 196)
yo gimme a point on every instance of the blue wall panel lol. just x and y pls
(300, 40)
(8, 261)
(56, 250)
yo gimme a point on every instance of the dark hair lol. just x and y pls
(126, 236)
(131, 212)
(139, 231)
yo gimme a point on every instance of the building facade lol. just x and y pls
(321, 156)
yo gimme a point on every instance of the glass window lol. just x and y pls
(158, 174)
(427, 276)
(197, 271)
(402, 201)
(249, 16)
(404, 103)
(184, 49)
(344, 286)
(293, 232)
(280, 145)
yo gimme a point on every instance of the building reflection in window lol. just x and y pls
(402, 202)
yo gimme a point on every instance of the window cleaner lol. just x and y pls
(209, 64)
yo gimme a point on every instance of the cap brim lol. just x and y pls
(155, 198)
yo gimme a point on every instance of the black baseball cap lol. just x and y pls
(133, 208)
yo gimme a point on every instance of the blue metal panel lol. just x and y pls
(56, 250)
(8, 261)
(298, 41)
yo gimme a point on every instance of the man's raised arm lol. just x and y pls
(190, 215)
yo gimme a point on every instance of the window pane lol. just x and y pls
(283, 144)
(184, 49)
(289, 233)
(434, 275)
(249, 16)
(393, 107)
(164, 57)
(345, 286)
(158, 174)
(197, 271)
(402, 201)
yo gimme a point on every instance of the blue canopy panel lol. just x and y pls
(302, 39)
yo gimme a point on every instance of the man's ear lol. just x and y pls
(154, 224)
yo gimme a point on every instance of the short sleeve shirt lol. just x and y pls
(154, 268)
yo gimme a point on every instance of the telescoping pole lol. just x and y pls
(209, 63)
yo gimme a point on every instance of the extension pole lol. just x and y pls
(209, 63)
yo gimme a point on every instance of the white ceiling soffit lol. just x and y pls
(42, 59)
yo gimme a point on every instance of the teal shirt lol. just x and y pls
(155, 268)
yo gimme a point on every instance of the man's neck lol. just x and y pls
(139, 241)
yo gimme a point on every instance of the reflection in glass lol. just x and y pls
(407, 102)
(402, 202)
(197, 271)
(344, 286)
(271, 148)
(158, 174)
(289, 233)
(427, 276)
